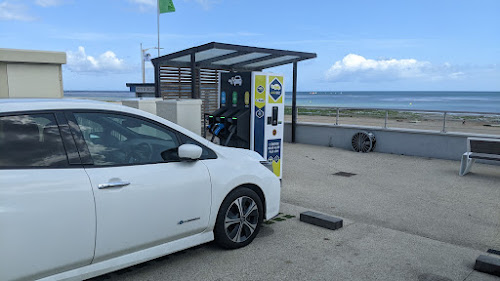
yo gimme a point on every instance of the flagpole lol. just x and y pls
(158, 22)
(143, 66)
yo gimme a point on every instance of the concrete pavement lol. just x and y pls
(405, 218)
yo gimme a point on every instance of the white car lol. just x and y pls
(89, 187)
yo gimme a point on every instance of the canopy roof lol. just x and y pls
(231, 57)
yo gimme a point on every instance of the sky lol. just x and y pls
(385, 45)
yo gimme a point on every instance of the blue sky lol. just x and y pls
(361, 45)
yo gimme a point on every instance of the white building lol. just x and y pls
(31, 74)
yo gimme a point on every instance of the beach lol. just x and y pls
(432, 122)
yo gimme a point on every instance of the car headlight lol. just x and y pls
(267, 164)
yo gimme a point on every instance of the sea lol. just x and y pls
(487, 102)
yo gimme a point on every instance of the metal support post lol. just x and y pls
(157, 81)
(337, 117)
(444, 123)
(194, 94)
(143, 66)
(294, 101)
(386, 117)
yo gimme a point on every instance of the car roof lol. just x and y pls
(12, 105)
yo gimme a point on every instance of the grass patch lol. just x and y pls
(279, 217)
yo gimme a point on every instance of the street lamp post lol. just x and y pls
(143, 51)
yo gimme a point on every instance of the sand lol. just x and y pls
(433, 123)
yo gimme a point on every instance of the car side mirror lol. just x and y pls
(189, 152)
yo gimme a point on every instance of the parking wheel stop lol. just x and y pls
(488, 264)
(321, 220)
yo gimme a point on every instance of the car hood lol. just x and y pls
(234, 152)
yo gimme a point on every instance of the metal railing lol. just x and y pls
(434, 120)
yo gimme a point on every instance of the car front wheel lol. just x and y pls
(239, 219)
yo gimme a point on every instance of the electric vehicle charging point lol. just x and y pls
(268, 118)
(242, 106)
(253, 115)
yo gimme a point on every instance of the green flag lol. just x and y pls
(166, 6)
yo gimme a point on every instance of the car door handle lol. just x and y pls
(113, 184)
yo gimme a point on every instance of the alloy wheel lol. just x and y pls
(241, 219)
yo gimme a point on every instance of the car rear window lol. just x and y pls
(31, 140)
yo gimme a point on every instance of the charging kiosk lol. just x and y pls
(251, 114)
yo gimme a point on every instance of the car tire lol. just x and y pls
(239, 219)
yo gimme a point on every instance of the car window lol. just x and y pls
(207, 153)
(115, 139)
(31, 140)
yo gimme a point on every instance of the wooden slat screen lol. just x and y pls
(175, 83)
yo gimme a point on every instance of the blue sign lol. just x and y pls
(275, 89)
(274, 150)
(259, 113)
(259, 126)
(223, 98)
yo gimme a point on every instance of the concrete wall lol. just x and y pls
(31, 74)
(148, 104)
(35, 81)
(396, 141)
(183, 112)
(4, 82)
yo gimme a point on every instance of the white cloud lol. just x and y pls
(145, 2)
(49, 3)
(17, 12)
(456, 75)
(79, 61)
(358, 68)
(145, 5)
(207, 4)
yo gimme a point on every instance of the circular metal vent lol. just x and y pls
(363, 142)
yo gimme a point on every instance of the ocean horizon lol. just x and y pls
(466, 101)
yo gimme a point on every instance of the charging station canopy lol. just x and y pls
(231, 57)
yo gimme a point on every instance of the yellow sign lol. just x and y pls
(277, 168)
(276, 91)
(247, 98)
(260, 91)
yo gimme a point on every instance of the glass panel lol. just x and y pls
(241, 58)
(272, 61)
(185, 58)
(204, 55)
(208, 54)
(31, 141)
(115, 139)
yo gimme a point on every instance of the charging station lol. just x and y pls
(244, 107)
(251, 114)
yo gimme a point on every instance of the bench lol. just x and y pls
(479, 148)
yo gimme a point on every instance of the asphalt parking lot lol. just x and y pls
(405, 218)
